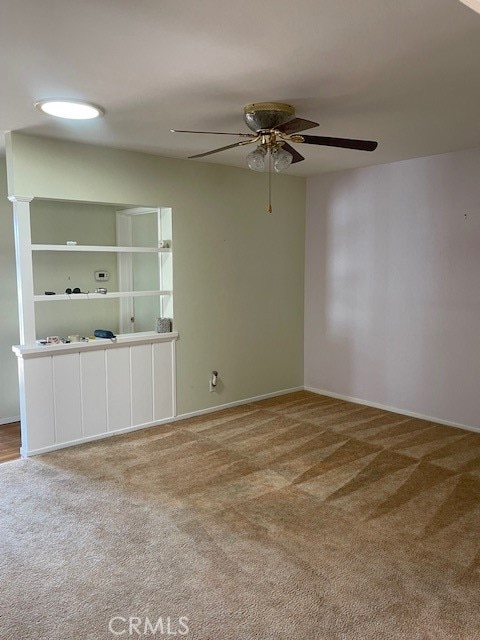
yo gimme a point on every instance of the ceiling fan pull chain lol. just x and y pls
(269, 210)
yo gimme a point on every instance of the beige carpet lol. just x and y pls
(297, 517)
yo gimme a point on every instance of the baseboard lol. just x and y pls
(237, 403)
(183, 416)
(377, 405)
(101, 436)
(9, 420)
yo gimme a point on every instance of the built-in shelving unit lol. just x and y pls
(77, 392)
(80, 391)
(125, 288)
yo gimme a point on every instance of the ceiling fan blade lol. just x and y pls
(344, 143)
(296, 125)
(297, 157)
(216, 133)
(229, 146)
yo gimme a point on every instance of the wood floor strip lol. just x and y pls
(10, 442)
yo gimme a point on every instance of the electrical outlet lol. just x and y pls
(212, 385)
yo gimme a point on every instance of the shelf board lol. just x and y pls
(98, 296)
(97, 248)
(35, 350)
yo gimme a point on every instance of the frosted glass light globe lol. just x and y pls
(256, 159)
(281, 159)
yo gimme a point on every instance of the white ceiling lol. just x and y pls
(403, 72)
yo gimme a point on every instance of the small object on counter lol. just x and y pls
(71, 243)
(54, 340)
(104, 333)
(50, 293)
(163, 325)
(73, 338)
(101, 290)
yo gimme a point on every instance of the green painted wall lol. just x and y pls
(8, 306)
(238, 272)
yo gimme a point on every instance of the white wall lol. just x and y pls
(393, 285)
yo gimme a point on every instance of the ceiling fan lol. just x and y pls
(274, 126)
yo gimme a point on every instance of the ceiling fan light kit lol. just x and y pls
(281, 159)
(274, 126)
(256, 159)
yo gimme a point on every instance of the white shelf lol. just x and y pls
(97, 296)
(97, 248)
(121, 340)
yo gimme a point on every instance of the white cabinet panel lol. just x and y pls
(94, 392)
(77, 392)
(38, 421)
(67, 397)
(163, 391)
(118, 388)
(142, 385)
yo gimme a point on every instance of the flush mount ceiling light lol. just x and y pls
(473, 4)
(69, 109)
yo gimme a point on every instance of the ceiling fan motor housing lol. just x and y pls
(262, 116)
